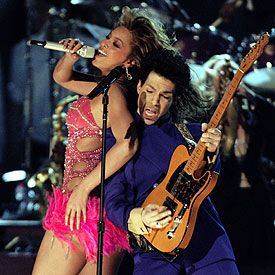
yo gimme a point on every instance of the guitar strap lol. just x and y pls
(186, 134)
(211, 157)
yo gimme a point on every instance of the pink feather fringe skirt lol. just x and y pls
(115, 239)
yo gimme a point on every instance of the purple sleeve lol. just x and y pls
(118, 200)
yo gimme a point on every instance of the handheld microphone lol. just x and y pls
(85, 51)
(115, 74)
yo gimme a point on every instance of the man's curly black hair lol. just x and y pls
(187, 104)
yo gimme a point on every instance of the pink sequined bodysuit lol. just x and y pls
(81, 124)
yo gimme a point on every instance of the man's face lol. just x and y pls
(155, 97)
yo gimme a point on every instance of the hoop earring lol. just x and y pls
(128, 75)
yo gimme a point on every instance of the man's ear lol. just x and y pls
(139, 87)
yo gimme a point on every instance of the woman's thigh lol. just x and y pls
(55, 257)
(109, 267)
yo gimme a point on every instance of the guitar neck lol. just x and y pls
(230, 91)
(198, 154)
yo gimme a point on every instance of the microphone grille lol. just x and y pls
(90, 52)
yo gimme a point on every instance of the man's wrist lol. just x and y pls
(135, 222)
(211, 157)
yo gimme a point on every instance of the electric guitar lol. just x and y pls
(181, 191)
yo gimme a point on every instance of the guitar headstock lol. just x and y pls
(254, 53)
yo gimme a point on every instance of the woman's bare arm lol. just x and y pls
(122, 125)
(63, 75)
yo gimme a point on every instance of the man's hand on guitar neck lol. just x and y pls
(211, 138)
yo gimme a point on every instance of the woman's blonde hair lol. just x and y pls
(148, 33)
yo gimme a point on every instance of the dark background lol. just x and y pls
(28, 97)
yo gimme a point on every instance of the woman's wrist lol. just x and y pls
(87, 186)
(68, 59)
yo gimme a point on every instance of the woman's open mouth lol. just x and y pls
(101, 53)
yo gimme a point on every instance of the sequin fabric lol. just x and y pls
(81, 124)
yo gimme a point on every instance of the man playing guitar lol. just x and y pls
(163, 88)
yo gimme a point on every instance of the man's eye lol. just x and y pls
(149, 91)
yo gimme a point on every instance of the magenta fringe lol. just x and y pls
(115, 239)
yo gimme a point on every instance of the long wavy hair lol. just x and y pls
(148, 34)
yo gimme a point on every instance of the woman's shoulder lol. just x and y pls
(118, 89)
(117, 95)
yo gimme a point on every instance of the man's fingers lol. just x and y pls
(159, 217)
(211, 141)
(166, 220)
(211, 147)
(158, 224)
(214, 131)
(163, 215)
(162, 223)
(211, 135)
(203, 127)
(154, 211)
(151, 207)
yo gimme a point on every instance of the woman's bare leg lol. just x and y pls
(110, 265)
(54, 257)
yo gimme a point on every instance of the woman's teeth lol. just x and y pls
(101, 52)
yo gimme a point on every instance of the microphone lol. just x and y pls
(85, 51)
(115, 74)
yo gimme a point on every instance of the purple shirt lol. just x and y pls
(130, 186)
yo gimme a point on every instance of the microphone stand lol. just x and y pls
(101, 222)
(103, 88)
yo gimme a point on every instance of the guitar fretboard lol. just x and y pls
(198, 153)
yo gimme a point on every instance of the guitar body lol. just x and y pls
(159, 238)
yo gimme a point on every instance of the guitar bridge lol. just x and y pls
(176, 222)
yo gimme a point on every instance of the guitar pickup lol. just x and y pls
(170, 204)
